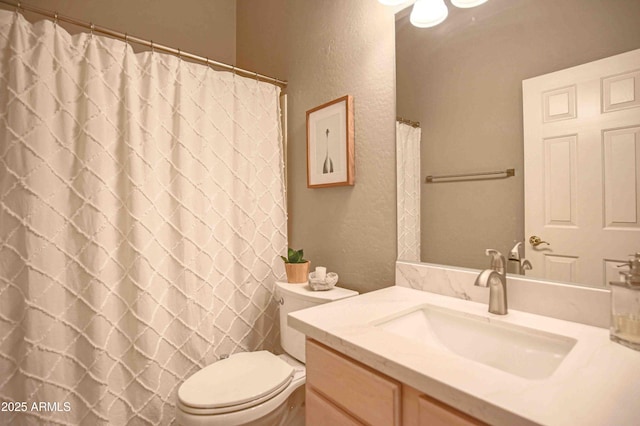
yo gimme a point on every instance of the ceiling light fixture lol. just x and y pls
(429, 13)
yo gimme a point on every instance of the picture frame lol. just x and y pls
(330, 144)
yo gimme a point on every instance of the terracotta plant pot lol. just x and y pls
(297, 273)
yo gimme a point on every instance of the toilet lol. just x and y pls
(256, 388)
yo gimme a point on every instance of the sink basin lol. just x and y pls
(522, 351)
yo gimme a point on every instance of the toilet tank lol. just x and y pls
(293, 297)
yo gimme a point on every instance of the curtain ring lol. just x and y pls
(18, 7)
(92, 28)
(257, 78)
(233, 69)
(126, 37)
(207, 63)
(151, 46)
(179, 54)
(55, 18)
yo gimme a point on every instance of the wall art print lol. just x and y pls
(330, 144)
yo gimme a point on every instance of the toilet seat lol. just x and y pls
(239, 382)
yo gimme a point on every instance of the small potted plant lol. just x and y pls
(297, 266)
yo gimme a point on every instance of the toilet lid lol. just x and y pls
(237, 380)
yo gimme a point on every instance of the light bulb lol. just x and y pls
(465, 4)
(428, 13)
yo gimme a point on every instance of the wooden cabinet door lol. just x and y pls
(320, 412)
(359, 390)
(343, 392)
(419, 409)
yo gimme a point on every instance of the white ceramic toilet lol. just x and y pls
(256, 388)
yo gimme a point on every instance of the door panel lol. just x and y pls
(582, 169)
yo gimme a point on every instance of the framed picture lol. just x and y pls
(330, 150)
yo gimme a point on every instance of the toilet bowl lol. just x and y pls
(256, 388)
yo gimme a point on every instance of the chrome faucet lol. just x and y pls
(496, 279)
(516, 263)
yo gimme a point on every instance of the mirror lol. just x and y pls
(462, 80)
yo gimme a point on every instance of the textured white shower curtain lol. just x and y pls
(408, 190)
(141, 218)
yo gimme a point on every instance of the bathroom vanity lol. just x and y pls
(398, 355)
(352, 392)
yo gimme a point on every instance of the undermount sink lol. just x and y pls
(522, 351)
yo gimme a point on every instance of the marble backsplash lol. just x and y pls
(585, 305)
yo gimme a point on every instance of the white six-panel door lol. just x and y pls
(582, 169)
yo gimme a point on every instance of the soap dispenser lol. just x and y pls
(625, 306)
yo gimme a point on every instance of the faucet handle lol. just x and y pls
(498, 262)
(517, 252)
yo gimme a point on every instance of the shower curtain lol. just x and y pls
(141, 218)
(408, 190)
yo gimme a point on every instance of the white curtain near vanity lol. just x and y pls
(408, 190)
(141, 218)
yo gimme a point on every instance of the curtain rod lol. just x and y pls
(147, 43)
(413, 124)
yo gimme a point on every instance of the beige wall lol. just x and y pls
(326, 49)
(202, 27)
(462, 81)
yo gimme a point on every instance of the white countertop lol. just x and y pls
(598, 383)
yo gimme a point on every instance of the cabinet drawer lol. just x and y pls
(320, 412)
(359, 390)
(432, 412)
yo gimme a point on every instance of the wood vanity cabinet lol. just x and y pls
(419, 409)
(355, 394)
(344, 392)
